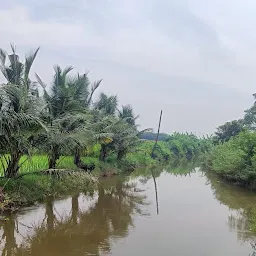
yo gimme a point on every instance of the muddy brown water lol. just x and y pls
(197, 215)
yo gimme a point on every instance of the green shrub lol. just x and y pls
(235, 160)
(187, 146)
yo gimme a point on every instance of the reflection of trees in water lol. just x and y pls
(238, 222)
(234, 197)
(253, 244)
(81, 233)
(240, 201)
(8, 237)
(182, 167)
(145, 174)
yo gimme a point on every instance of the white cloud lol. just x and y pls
(16, 25)
(199, 44)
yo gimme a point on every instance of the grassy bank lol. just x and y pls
(32, 188)
(40, 162)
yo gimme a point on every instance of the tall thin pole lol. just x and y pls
(152, 155)
(157, 135)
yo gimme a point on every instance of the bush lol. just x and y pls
(187, 146)
(235, 160)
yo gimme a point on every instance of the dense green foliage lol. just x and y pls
(236, 159)
(61, 122)
(62, 128)
(188, 146)
(230, 129)
(234, 156)
(59, 129)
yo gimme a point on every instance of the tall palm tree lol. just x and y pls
(16, 72)
(19, 108)
(125, 139)
(67, 114)
(58, 113)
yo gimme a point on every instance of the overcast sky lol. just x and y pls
(195, 59)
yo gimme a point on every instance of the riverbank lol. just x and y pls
(33, 185)
(235, 160)
(33, 188)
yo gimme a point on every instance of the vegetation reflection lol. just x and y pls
(241, 202)
(80, 232)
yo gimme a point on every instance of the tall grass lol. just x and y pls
(33, 187)
(40, 162)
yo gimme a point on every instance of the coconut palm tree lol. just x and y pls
(19, 109)
(107, 104)
(125, 139)
(17, 72)
(64, 113)
(126, 113)
(67, 113)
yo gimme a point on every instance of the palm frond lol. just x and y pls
(107, 104)
(2, 63)
(94, 87)
(79, 88)
(29, 59)
(2, 56)
(16, 68)
(67, 70)
(39, 80)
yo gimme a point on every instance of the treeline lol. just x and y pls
(177, 146)
(40, 126)
(64, 119)
(152, 136)
(234, 154)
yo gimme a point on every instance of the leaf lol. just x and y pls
(29, 59)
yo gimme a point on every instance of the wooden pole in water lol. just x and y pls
(157, 135)
(152, 155)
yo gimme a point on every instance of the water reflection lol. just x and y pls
(196, 209)
(241, 203)
(82, 232)
(8, 237)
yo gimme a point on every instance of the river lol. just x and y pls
(180, 214)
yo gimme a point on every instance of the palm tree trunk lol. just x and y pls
(120, 155)
(13, 165)
(78, 162)
(54, 156)
(77, 157)
(103, 153)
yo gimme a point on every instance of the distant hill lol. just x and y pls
(152, 136)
